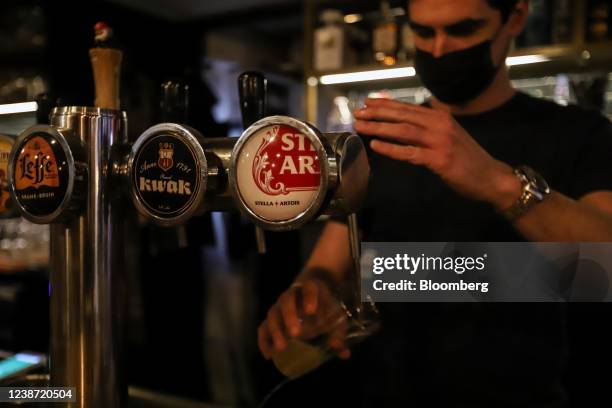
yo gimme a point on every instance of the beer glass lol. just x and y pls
(334, 326)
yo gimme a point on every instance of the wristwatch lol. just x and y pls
(535, 188)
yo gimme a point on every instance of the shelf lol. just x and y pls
(598, 52)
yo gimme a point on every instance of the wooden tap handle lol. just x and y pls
(106, 64)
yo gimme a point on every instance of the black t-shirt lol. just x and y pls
(483, 354)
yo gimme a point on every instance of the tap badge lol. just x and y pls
(165, 175)
(278, 173)
(41, 174)
(166, 151)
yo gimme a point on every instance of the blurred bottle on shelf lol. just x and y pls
(407, 48)
(332, 45)
(562, 31)
(599, 20)
(384, 38)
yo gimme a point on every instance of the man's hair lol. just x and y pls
(505, 7)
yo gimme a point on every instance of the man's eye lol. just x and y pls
(464, 29)
(460, 31)
(423, 32)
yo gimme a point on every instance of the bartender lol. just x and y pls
(479, 162)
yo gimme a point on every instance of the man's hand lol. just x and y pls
(306, 311)
(432, 138)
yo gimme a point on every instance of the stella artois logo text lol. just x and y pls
(286, 161)
(36, 165)
(166, 151)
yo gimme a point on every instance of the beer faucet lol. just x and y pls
(285, 173)
(252, 90)
(176, 173)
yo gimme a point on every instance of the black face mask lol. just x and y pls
(457, 77)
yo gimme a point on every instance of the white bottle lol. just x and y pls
(331, 48)
(384, 37)
(407, 49)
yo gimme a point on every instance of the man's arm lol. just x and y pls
(558, 218)
(433, 139)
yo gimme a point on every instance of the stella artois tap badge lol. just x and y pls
(278, 172)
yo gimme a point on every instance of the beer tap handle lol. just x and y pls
(252, 88)
(252, 91)
(106, 64)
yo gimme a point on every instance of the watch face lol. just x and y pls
(536, 183)
(541, 184)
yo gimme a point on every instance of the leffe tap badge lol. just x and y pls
(43, 174)
(279, 172)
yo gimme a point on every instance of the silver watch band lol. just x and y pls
(535, 189)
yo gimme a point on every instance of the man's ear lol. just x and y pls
(518, 18)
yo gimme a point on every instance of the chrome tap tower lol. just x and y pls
(61, 174)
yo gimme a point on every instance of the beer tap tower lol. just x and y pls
(75, 173)
(62, 174)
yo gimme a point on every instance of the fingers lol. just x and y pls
(310, 291)
(287, 304)
(413, 154)
(283, 319)
(264, 341)
(321, 316)
(400, 132)
(275, 329)
(337, 342)
(394, 115)
(382, 102)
